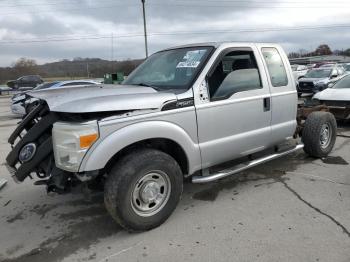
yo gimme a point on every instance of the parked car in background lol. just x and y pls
(19, 101)
(25, 81)
(310, 66)
(317, 65)
(299, 71)
(337, 98)
(340, 67)
(317, 79)
(347, 67)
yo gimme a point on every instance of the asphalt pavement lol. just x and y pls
(296, 208)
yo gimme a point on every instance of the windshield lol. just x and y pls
(45, 85)
(343, 83)
(347, 67)
(318, 73)
(170, 69)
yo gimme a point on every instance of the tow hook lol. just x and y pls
(59, 182)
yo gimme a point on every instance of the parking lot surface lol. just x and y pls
(295, 208)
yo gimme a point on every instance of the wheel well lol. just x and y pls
(165, 145)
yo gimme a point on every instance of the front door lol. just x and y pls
(236, 119)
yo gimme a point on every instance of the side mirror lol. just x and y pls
(334, 76)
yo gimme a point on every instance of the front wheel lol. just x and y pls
(143, 189)
(319, 134)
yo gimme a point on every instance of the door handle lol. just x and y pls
(267, 104)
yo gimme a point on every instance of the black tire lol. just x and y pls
(314, 143)
(125, 177)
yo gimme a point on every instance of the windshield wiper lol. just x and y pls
(147, 85)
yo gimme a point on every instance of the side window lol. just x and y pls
(275, 67)
(68, 84)
(78, 84)
(26, 79)
(237, 71)
(83, 83)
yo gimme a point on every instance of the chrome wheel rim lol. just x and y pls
(151, 193)
(325, 135)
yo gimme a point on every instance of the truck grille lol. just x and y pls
(31, 143)
(306, 86)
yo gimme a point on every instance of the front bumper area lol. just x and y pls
(12, 172)
(35, 128)
(18, 109)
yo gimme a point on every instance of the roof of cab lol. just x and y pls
(217, 44)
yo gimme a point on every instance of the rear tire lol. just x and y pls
(319, 134)
(143, 189)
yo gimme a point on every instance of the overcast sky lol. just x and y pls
(49, 24)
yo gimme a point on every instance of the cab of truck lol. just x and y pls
(243, 88)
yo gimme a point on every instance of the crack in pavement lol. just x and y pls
(319, 178)
(345, 136)
(120, 252)
(345, 230)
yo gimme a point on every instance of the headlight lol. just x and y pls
(71, 142)
(18, 97)
(320, 85)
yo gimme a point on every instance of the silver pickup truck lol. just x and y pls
(181, 114)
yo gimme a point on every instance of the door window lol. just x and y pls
(275, 67)
(25, 79)
(237, 71)
(77, 84)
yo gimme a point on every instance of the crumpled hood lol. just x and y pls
(338, 94)
(102, 98)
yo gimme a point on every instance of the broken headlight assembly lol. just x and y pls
(71, 142)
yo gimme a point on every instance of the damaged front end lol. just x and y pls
(34, 145)
(32, 150)
(61, 126)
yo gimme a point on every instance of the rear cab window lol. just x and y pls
(275, 66)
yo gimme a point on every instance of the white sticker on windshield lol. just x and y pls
(192, 58)
(188, 64)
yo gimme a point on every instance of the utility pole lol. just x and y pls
(112, 50)
(144, 26)
(87, 70)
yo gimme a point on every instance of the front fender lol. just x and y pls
(102, 151)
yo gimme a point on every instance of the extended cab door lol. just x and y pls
(284, 98)
(233, 106)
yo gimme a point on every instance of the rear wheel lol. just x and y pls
(143, 189)
(319, 134)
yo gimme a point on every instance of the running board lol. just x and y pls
(243, 166)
